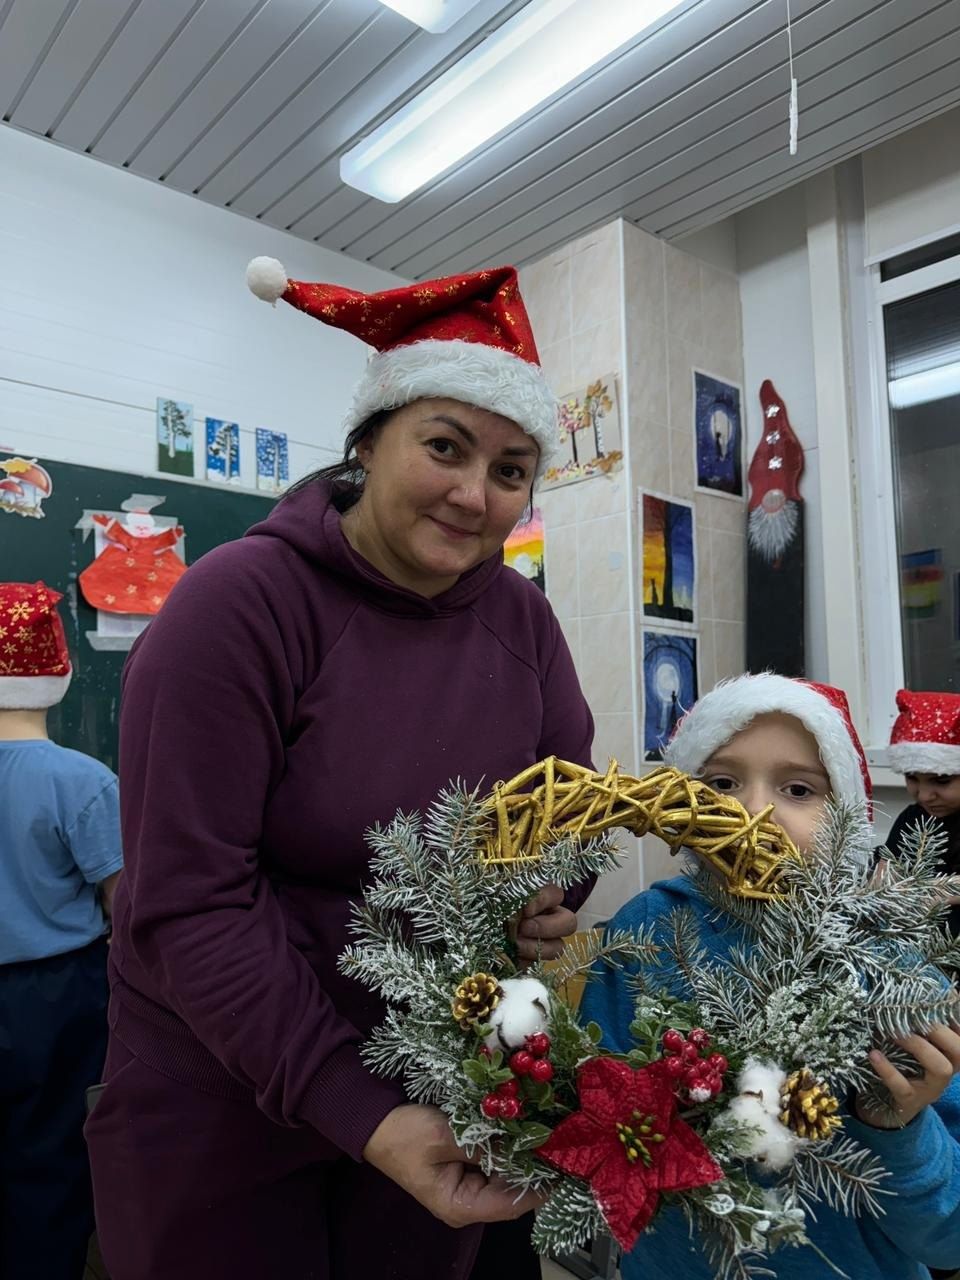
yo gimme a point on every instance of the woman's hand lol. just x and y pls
(544, 924)
(414, 1146)
(938, 1053)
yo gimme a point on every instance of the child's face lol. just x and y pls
(774, 760)
(935, 793)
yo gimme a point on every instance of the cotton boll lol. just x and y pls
(757, 1107)
(522, 1012)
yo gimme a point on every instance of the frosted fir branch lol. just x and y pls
(845, 1175)
(616, 948)
(899, 1006)
(683, 944)
(569, 1219)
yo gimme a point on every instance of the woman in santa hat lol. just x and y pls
(347, 658)
(925, 748)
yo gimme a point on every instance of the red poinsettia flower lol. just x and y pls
(628, 1142)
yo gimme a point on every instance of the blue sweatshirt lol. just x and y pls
(921, 1226)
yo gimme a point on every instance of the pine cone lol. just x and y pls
(808, 1108)
(475, 999)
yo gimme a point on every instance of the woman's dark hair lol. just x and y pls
(345, 477)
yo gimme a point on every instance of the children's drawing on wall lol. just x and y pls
(668, 561)
(670, 686)
(24, 487)
(138, 558)
(718, 435)
(273, 466)
(590, 443)
(174, 437)
(223, 451)
(921, 575)
(523, 550)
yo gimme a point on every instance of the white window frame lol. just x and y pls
(881, 605)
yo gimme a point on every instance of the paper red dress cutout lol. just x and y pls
(133, 574)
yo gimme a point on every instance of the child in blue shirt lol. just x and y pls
(766, 739)
(59, 862)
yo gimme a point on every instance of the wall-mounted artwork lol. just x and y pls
(174, 437)
(668, 560)
(590, 442)
(24, 487)
(718, 435)
(670, 686)
(523, 550)
(921, 583)
(223, 451)
(138, 559)
(273, 463)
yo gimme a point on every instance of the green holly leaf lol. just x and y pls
(474, 1071)
(594, 1032)
(532, 1135)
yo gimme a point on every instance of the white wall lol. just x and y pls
(912, 187)
(116, 290)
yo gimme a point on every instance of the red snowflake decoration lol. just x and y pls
(629, 1143)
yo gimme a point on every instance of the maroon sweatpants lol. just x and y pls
(193, 1187)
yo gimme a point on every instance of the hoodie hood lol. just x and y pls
(309, 523)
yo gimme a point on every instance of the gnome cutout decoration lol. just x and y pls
(463, 338)
(775, 590)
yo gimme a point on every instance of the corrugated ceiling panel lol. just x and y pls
(138, 46)
(250, 103)
(29, 29)
(193, 53)
(309, 171)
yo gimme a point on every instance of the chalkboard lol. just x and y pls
(54, 550)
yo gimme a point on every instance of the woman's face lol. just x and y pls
(445, 484)
(774, 760)
(935, 793)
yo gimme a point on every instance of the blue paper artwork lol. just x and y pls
(670, 686)
(223, 451)
(273, 466)
(719, 435)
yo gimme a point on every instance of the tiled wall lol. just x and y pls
(620, 300)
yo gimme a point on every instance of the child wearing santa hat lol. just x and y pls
(767, 739)
(925, 748)
(59, 861)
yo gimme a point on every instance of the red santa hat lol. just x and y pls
(464, 337)
(34, 661)
(926, 734)
(820, 708)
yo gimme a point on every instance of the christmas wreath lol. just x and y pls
(730, 1102)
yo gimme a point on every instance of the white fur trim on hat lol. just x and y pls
(32, 693)
(924, 757)
(733, 704)
(471, 372)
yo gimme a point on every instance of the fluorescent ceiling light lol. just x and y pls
(432, 15)
(544, 47)
(919, 388)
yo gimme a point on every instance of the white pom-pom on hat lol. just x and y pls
(267, 279)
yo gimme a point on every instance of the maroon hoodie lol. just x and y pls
(287, 697)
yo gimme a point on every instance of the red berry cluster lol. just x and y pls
(689, 1063)
(505, 1102)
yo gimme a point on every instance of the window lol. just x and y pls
(921, 333)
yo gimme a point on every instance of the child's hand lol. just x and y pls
(938, 1053)
(544, 923)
